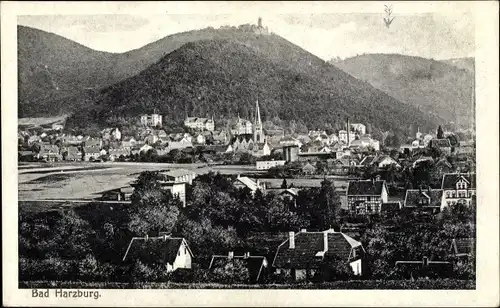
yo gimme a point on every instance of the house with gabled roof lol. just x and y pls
(426, 199)
(256, 265)
(462, 248)
(305, 252)
(384, 161)
(308, 169)
(246, 182)
(171, 252)
(49, 152)
(93, 142)
(442, 144)
(91, 153)
(458, 188)
(365, 197)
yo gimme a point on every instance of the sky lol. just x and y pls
(440, 35)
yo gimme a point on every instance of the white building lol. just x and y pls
(173, 252)
(458, 188)
(268, 164)
(343, 136)
(200, 123)
(358, 127)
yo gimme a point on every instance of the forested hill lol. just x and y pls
(226, 76)
(432, 86)
(51, 67)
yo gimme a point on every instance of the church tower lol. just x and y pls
(258, 132)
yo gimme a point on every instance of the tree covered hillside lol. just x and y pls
(226, 77)
(433, 86)
(51, 67)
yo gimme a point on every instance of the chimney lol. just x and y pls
(303, 230)
(230, 255)
(146, 237)
(246, 255)
(425, 261)
(325, 241)
(291, 239)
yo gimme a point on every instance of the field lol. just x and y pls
(39, 121)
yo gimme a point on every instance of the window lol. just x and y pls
(448, 194)
(179, 252)
(185, 250)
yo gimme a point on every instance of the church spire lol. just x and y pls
(257, 113)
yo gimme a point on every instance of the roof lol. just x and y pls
(49, 147)
(91, 150)
(26, 153)
(390, 206)
(365, 188)
(247, 182)
(254, 264)
(308, 244)
(450, 180)
(151, 250)
(463, 246)
(308, 166)
(367, 160)
(442, 143)
(414, 195)
(240, 138)
(195, 119)
(291, 191)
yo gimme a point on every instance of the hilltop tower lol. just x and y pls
(258, 132)
(259, 22)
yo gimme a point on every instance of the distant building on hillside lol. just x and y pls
(200, 123)
(359, 128)
(151, 119)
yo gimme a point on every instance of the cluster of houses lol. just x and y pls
(300, 256)
(366, 197)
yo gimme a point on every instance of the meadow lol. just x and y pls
(87, 181)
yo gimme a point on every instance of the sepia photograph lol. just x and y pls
(247, 150)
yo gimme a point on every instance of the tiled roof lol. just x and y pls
(390, 206)
(240, 138)
(308, 244)
(442, 143)
(365, 188)
(254, 264)
(367, 160)
(414, 195)
(450, 180)
(153, 250)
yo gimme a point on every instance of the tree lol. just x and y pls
(284, 184)
(327, 205)
(440, 133)
(454, 141)
(234, 271)
(333, 268)
(153, 209)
